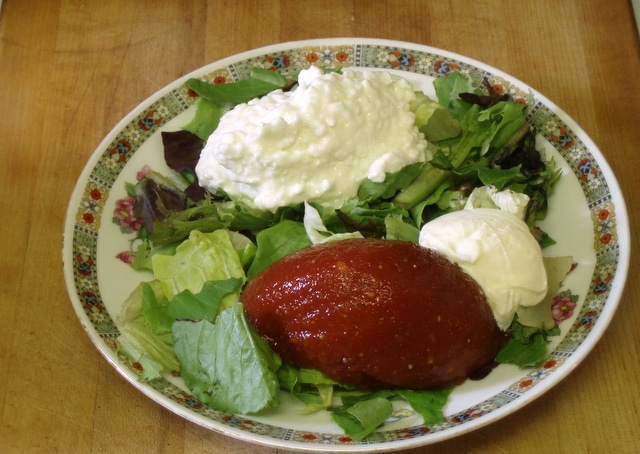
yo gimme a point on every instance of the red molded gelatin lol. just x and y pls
(376, 314)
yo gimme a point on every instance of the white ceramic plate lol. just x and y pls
(587, 218)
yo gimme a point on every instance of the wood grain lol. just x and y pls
(70, 70)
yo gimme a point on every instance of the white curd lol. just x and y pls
(316, 143)
(496, 248)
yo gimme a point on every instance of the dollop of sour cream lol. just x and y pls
(315, 143)
(495, 247)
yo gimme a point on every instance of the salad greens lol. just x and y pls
(215, 100)
(239, 376)
(203, 257)
(203, 247)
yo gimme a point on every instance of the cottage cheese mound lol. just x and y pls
(315, 143)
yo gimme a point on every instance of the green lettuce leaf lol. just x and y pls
(207, 117)
(309, 386)
(147, 319)
(369, 191)
(203, 257)
(363, 417)
(398, 229)
(226, 364)
(521, 354)
(259, 84)
(140, 345)
(448, 90)
(320, 398)
(205, 305)
(428, 404)
(276, 242)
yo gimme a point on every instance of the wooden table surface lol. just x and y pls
(71, 69)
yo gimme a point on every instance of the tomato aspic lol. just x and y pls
(375, 314)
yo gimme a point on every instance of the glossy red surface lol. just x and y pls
(374, 314)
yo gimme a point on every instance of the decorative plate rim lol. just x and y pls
(604, 199)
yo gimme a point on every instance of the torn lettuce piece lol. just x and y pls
(245, 248)
(207, 117)
(132, 306)
(147, 317)
(540, 315)
(317, 231)
(320, 400)
(398, 229)
(260, 82)
(202, 257)
(227, 364)
(277, 241)
(309, 386)
(363, 417)
(532, 325)
(138, 340)
(217, 99)
(157, 196)
(433, 119)
(140, 345)
(506, 200)
(205, 305)
(524, 354)
(427, 403)
(370, 191)
(181, 150)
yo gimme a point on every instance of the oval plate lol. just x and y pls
(597, 237)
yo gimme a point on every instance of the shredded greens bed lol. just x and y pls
(203, 247)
